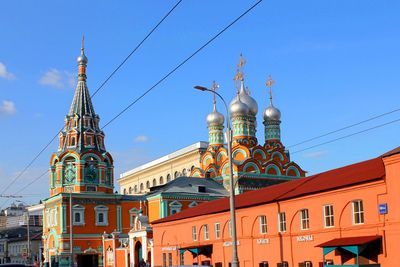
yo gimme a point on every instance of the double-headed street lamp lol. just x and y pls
(235, 259)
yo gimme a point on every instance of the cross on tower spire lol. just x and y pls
(270, 83)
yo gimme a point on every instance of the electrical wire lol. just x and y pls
(95, 92)
(182, 63)
(344, 128)
(346, 136)
(151, 88)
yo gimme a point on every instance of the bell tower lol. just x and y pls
(81, 162)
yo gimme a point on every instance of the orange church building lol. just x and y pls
(343, 217)
(82, 203)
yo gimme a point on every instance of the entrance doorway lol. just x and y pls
(138, 253)
(87, 260)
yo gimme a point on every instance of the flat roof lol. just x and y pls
(177, 153)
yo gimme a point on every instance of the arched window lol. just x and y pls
(184, 172)
(101, 215)
(154, 182)
(124, 191)
(141, 187)
(130, 190)
(147, 184)
(78, 215)
(135, 188)
(176, 175)
(69, 170)
(161, 180)
(90, 172)
(168, 178)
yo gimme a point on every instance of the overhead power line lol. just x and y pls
(151, 88)
(346, 136)
(182, 63)
(344, 128)
(95, 92)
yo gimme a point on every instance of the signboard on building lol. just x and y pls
(305, 238)
(383, 208)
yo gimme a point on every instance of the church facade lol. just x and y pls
(82, 203)
(255, 165)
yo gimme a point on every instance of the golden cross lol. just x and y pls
(270, 83)
(214, 88)
(242, 62)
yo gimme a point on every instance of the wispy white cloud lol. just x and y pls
(7, 108)
(58, 79)
(316, 154)
(141, 139)
(4, 73)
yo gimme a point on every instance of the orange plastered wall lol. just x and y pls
(295, 245)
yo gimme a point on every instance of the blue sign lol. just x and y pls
(383, 209)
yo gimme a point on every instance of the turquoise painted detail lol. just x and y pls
(119, 218)
(251, 164)
(239, 151)
(259, 151)
(164, 208)
(279, 155)
(63, 219)
(215, 135)
(272, 130)
(295, 169)
(220, 154)
(273, 166)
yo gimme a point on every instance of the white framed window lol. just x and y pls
(52, 218)
(262, 220)
(217, 230)
(358, 212)
(206, 235)
(329, 219)
(304, 219)
(78, 215)
(175, 207)
(133, 213)
(101, 215)
(282, 221)
(194, 233)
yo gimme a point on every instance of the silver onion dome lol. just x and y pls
(215, 118)
(271, 113)
(249, 101)
(82, 59)
(237, 107)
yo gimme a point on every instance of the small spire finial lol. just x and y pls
(239, 76)
(83, 43)
(270, 83)
(214, 88)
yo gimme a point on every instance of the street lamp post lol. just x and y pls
(235, 259)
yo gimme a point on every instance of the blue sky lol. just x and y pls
(334, 62)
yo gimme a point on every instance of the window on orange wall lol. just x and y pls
(358, 212)
(217, 230)
(164, 260)
(262, 219)
(206, 236)
(304, 219)
(181, 259)
(101, 213)
(194, 233)
(282, 221)
(329, 216)
(169, 259)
